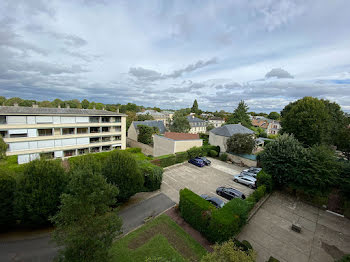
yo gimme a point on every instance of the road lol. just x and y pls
(42, 249)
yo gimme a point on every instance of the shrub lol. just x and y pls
(213, 153)
(133, 150)
(121, 169)
(272, 259)
(223, 157)
(7, 196)
(259, 193)
(195, 210)
(246, 245)
(238, 207)
(181, 157)
(38, 192)
(91, 161)
(241, 144)
(207, 148)
(152, 174)
(265, 179)
(168, 161)
(195, 152)
(145, 134)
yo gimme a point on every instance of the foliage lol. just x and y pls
(343, 142)
(345, 258)
(85, 224)
(312, 121)
(85, 104)
(259, 193)
(229, 252)
(144, 117)
(3, 148)
(265, 179)
(274, 116)
(223, 157)
(195, 152)
(145, 134)
(7, 196)
(180, 123)
(240, 115)
(207, 148)
(210, 127)
(133, 150)
(121, 170)
(259, 132)
(213, 153)
(344, 179)
(194, 108)
(272, 136)
(181, 157)
(38, 191)
(283, 159)
(152, 174)
(272, 259)
(205, 138)
(241, 144)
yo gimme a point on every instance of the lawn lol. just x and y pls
(159, 238)
(10, 164)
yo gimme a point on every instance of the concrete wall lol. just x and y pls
(241, 160)
(146, 149)
(165, 146)
(184, 145)
(220, 141)
(132, 133)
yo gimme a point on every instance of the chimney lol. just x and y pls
(59, 106)
(68, 106)
(35, 105)
(15, 104)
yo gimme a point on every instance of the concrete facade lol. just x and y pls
(197, 125)
(217, 140)
(216, 121)
(61, 132)
(165, 146)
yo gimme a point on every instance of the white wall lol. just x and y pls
(58, 153)
(18, 131)
(16, 120)
(19, 146)
(46, 143)
(31, 120)
(69, 142)
(32, 133)
(82, 119)
(83, 140)
(22, 159)
(44, 119)
(67, 119)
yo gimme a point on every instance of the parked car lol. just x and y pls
(218, 203)
(196, 162)
(247, 173)
(206, 161)
(254, 170)
(246, 180)
(229, 193)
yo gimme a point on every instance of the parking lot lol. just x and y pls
(201, 180)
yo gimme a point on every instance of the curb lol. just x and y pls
(257, 206)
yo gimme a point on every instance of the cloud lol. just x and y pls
(278, 73)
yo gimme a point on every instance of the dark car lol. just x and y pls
(229, 193)
(218, 203)
(196, 162)
(254, 170)
(206, 161)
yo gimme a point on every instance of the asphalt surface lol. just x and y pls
(42, 249)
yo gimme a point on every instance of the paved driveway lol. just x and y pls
(324, 236)
(201, 180)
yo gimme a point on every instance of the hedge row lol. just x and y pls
(217, 225)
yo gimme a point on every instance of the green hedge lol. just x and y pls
(181, 157)
(153, 175)
(223, 157)
(213, 153)
(195, 152)
(207, 148)
(7, 196)
(265, 179)
(259, 193)
(272, 259)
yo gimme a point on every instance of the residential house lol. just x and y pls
(197, 125)
(172, 143)
(219, 136)
(133, 129)
(32, 132)
(271, 126)
(216, 121)
(165, 116)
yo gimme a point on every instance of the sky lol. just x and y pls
(168, 53)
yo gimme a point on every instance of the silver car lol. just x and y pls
(246, 180)
(247, 173)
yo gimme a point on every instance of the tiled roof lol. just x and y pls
(216, 118)
(21, 110)
(229, 130)
(194, 119)
(181, 136)
(260, 123)
(151, 123)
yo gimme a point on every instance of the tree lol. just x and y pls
(274, 116)
(45, 104)
(38, 191)
(3, 148)
(85, 224)
(284, 159)
(240, 115)
(121, 170)
(180, 123)
(229, 252)
(194, 108)
(85, 104)
(12, 101)
(312, 121)
(241, 144)
(144, 117)
(2, 100)
(7, 196)
(210, 127)
(57, 102)
(145, 134)
(343, 142)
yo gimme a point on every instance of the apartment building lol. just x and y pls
(216, 121)
(197, 125)
(32, 132)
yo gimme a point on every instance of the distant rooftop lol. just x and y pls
(181, 136)
(151, 123)
(229, 130)
(150, 112)
(194, 119)
(21, 110)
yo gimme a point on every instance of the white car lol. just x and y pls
(246, 180)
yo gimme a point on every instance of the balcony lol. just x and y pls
(106, 119)
(68, 131)
(105, 129)
(45, 132)
(94, 130)
(94, 149)
(94, 140)
(94, 119)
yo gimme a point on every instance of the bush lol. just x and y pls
(207, 148)
(213, 153)
(241, 144)
(223, 157)
(167, 161)
(7, 196)
(133, 150)
(195, 152)
(39, 190)
(246, 245)
(152, 175)
(259, 193)
(121, 169)
(181, 157)
(272, 259)
(195, 210)
(265, 179)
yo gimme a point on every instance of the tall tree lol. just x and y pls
(180, 123)
(274, 116)
(2, 100)
(195, 108)
(240, 115)
(86, 225)
(145, 134)
(85, 104)
(241, 144)
(144, 117)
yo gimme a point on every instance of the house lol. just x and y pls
(155, 114)
(216, 121)
(32, 132)
(219, 136)
(133, 130)
(197, 125)
(172, 143)
(271, 126)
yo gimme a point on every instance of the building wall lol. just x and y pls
(165, 146)
(146, 149)
(220, 141)
(184, 145)
(216, 123)
(198, 129)
(132, 133)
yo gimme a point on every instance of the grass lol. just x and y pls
(10, 164)
(159, 238)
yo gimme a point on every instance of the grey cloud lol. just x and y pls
(228, 86)
(278, 73)
(145, 74)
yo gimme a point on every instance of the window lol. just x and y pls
(48, 155)
(106, 139)
(82, 130)
(3, 133)
(83, 151)
(68, 153)
(68, 131)
(45, 132)
(18, 135)
(3, 120)
(106, 119)
(94, 140)
(117, 138)
(106, 148)
(105, 129)
(118, 129)
(94, 149)
(94, 130)
(94, 119)
(118, 119)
